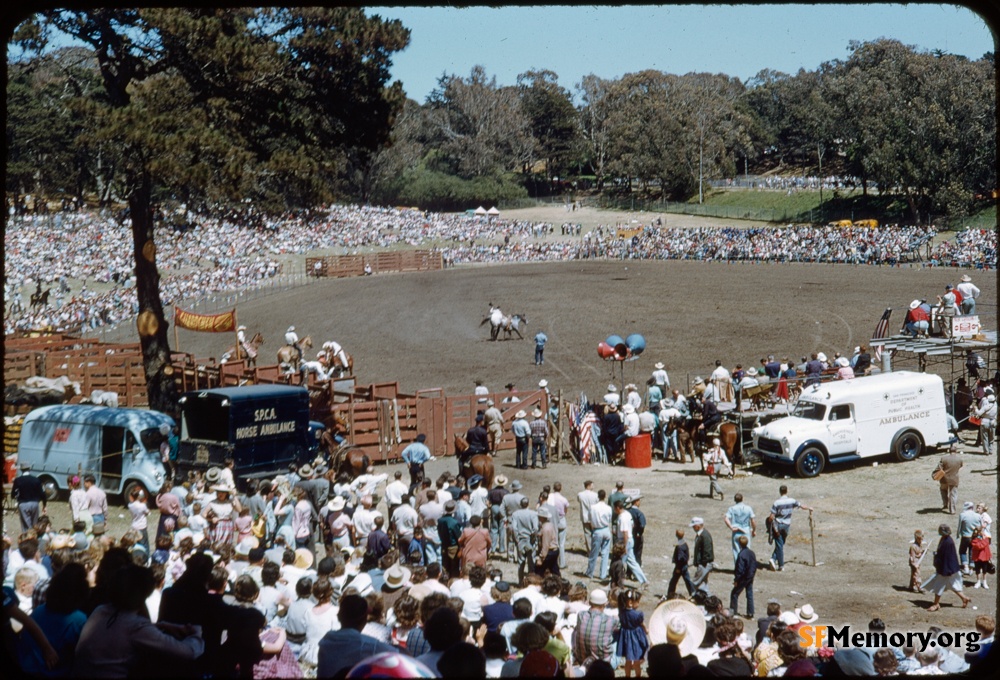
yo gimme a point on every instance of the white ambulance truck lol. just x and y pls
(902, 413)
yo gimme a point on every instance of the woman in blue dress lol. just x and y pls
(633, 639)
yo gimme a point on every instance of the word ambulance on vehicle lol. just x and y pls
(902, 413)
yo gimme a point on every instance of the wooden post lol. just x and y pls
(812, 536)
(559, 427)
(177, 342)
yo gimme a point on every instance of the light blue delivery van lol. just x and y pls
(119, 446)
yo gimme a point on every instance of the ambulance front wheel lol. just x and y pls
(908, 446)
(810, 462)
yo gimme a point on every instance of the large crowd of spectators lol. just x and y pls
(86, 257)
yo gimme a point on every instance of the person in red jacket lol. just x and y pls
(918, 320)
(981, 557)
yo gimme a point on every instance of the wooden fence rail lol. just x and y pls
(338, 266)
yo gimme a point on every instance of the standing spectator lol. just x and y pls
(116, 633)
(969, 292)
(474, 543)
(743, 576)
(493, 421)
(169, 505)
(680, 561)
(449, 531)
(561, 505)
(98, 504)
(524, 524)
(624, 534)
(704, 554)
(415, 455)
(498, 520)
(394, 492)
(638, 525)
(948, 572)
(781, 522)
(986, 411)
(587, 498)
(522, 433)
(539, 438)
(968, 521)
(600, 542)
(633, 640)
(139, 509)
(660, 378)
(344, 648)
(594, 635)
(948, 467)
(30, 496)
(917, 550)
(741, 521)
(78, 504)
(716, 463)
(548, 540)
(981, 557)
(540, 340)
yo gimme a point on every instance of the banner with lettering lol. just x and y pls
(205, 323)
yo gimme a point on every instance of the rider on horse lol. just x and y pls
(247, 347)
(478, 440)
(292, 339)
(333, 349)
(710, 418)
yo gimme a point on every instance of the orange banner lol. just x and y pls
(205, 323)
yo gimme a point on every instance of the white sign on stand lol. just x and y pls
(965, 326)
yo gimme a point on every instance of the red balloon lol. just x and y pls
(605, 351)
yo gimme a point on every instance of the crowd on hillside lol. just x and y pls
(86, 258)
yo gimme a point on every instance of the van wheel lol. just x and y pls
(908, 446)
(50, 488)
(810, 463)
(132, 486)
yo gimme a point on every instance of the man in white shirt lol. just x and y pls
(631, 420)
(969, 293)
(404, 519)
(481, 392)
(612, 397)
(532, 592)
(479, 498)
(723, 382)
(660, 378)
(587, 498)
(367, 484)
(364, 520)
(623, 534)
(394, 492)
(430, 512)
(292, 340)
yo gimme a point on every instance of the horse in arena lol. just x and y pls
(239, 352)
(40, 299)
(287, 356)
(337, 364)
(349, 460)
(480, 464)
(496, 319)
(513, 324)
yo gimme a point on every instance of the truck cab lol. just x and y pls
(902, 413)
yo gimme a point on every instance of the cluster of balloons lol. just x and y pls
(616, 349)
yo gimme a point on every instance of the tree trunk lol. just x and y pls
(150, 322)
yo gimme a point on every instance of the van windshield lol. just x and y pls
(206, 419)
(151, 439)
(809, 410)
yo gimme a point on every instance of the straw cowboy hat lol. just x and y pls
(543, 383)
(806, 613)
(658, 365)
(612, 388)
(241, 328)
(396, 576)
(843, 362)
(678, 622)
(220, 488)
(336, 504)
(628, 408)
(500, 480)
(306, 470)
(303, 558)
(537, 413)
(914, 304)
(966, 278)
(521, 414)
(212, 475)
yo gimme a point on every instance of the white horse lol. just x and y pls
(496, 320)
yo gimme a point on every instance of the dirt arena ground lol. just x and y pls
(423, 330)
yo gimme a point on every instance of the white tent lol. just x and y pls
(480, 210)
(493, 211)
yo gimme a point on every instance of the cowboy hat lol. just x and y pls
(821, 356)
(966, 278)
(515, 485)
(699, 381)
(544, 513)
(658, 364)
(678, 622)
(396, 576)
(695, 521)
(789, 618)
(336, 504)
(509, 386)
(306, 470)
(521, 414)
(806, 613)
(489, 402)
(537, 413)
(220, 488)
(303, 558)
(631, 387)
(212, 475)
(543, 382)
(241, 328)
(628, 408)
(500, 480)
(598, 597)
(751, 371)
(612, 388)
(290, 329)
(914, 304)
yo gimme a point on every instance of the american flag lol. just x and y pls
(881, 331)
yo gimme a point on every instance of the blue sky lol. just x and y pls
(611, 41)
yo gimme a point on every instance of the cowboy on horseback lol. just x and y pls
(710, 418)
(241, 337)
(478, 440)
(292, 340)
(333, 349)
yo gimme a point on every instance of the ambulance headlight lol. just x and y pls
(784, 444)
(158, 477)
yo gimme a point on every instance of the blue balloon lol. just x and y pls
(614, 340)
(636, 344)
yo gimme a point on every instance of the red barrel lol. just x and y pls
(639, 451)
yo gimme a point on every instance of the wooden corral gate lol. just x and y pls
(461, 412)
(337, 266)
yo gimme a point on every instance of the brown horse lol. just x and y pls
(340, 367)
(691, 442)
(238, 352)
(349, 459)
(287, 354)
(480, 464)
